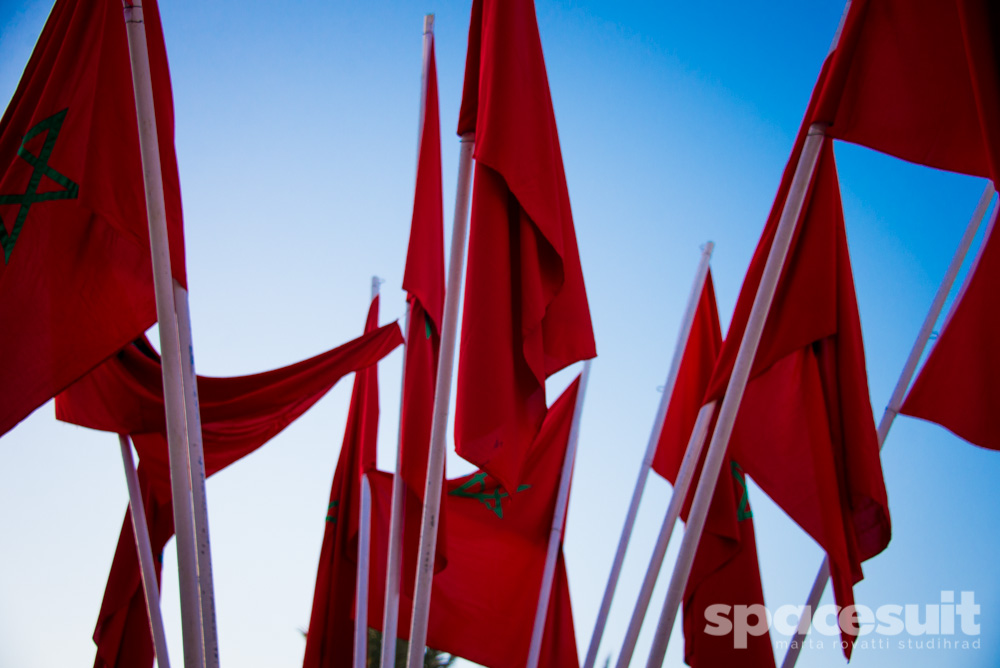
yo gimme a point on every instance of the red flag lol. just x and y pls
(920, 81)
(525, 314)
(805, 430)
(483, 604)
(957, 387)
(125, 395)
(424, 283)
(725, 570)
(330, 640)
(76, 282)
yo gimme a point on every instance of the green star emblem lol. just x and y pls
(743, 511)
(492, 500)
(41, 168)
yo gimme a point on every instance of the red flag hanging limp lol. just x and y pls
(330, 640)
(725, 570)
(957, 387)
(525, 314)
(125, 395)
(920, 81)
(424, 282)
(76, 282)
(483, 603)
(804, 431)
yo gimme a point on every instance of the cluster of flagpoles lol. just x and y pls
(187, 464)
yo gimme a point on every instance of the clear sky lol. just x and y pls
(296, 130)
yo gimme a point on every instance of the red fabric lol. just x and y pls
(725, 569)
(957, 385)
(483, 603)
(424, 282)
(525, 314)
(920, 81)
(75, 277)
(805, 430)
(330, 640)
(700, 354)
(125, 394)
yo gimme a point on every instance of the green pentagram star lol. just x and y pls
(492, 500)
(743, 511)
(40, 165)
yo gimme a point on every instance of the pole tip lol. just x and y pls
(428, 24)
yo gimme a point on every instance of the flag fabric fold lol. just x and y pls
(424, 282)
(957, 386)
(330, 639)
(525, 314)
(919, 81)
(125, 395)
(483, 603)
(804, 431)
(75, 271)
(725, 569)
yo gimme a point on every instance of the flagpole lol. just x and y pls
(737, 385)
(689, 464)
(905, 378)
(196, 451)
(364, 551)
(390, 615)
(647, 460)
(173, 386)
(439, 423)
(558, 522)
(145, 550)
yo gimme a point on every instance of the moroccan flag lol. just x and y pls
(330, 640)
(525, 314)
(957, 387)
(483, 603)
(725, 569)
(920, 81)
(804, 431)
(76, 282)
(125, 395)
(423, 280)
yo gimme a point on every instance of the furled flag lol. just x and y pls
(483, 603)
(920, 81)
(525, 314)
(125, 395)
(76, 283)
(804, 431)
(423, 280)
(330, 640)
(957, 387)
(725, 570)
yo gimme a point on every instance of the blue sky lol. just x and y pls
(296, 140)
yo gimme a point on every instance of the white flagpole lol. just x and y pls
(390, 615)
(439, 423)
(558, 521)
(734, 391)
(647, 460)
(898, 394)
(197, 460)
(145, 550)
(689, 464)
(364, 551)
(790, 214)
(173, 386)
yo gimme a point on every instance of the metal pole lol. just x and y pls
(689, 464)
(145, 550)
(439, 424)
(173, 387)
(647, 459)
(558, 521)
